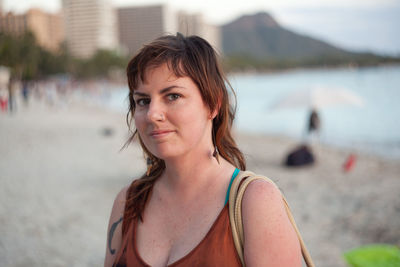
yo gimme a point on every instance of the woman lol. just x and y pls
(176, 214)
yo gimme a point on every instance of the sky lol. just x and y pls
(358, 25)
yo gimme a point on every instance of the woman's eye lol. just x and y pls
(173, 97)
(142, 102)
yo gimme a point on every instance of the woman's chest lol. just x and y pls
(165, 237)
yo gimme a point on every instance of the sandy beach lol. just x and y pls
(61, 167)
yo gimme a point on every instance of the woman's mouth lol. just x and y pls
(160, 133)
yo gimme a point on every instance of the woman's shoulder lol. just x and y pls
(262, 197)
(119, 201)
(260, 191)
(267, 226)
(122, 193)
(121, 198)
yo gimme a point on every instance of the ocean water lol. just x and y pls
(372, 128)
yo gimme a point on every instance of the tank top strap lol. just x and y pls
(235, 173)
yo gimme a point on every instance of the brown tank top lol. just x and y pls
(215, 249)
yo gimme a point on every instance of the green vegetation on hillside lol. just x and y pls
(258, 42)
(243, 62)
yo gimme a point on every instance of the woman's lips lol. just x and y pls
(160, 133)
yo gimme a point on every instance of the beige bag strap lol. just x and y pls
(235, 213)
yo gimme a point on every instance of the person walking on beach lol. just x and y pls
(176, 214)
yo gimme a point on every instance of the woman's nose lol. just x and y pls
(155, 112)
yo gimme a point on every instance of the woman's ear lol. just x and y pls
(214, 113)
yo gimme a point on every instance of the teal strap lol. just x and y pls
(235, 173)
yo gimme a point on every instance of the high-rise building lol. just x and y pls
(47, 28)
(194, 24)
(90, 25)
(14, 24)
(141, 24)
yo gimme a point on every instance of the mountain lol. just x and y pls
(261, 37)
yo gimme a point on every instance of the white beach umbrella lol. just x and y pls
(318, 97)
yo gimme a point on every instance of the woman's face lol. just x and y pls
(171, 117)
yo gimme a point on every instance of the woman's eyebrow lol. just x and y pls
(140, 94)
(169, 88)
(162, 91)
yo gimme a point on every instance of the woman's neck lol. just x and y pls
(187, 175)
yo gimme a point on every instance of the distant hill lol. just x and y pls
(261, 36)
(259, 41)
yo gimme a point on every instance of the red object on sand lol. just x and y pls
(349, 163)
(3, 104)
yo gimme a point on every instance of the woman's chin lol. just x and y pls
(165, 153)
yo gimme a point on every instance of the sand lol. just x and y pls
(60, 169)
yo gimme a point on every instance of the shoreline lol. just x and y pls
(253, 72)
(360, 149)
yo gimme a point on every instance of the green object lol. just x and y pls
(374, 256)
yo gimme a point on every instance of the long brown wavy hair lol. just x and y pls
(190, 57)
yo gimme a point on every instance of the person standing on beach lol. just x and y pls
(12, 103)
(313, 122)
(25, 92)
(176, 214)
(314, 125)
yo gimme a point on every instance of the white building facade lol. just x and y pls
(90, 25)
(195, 24)
(139, 25)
